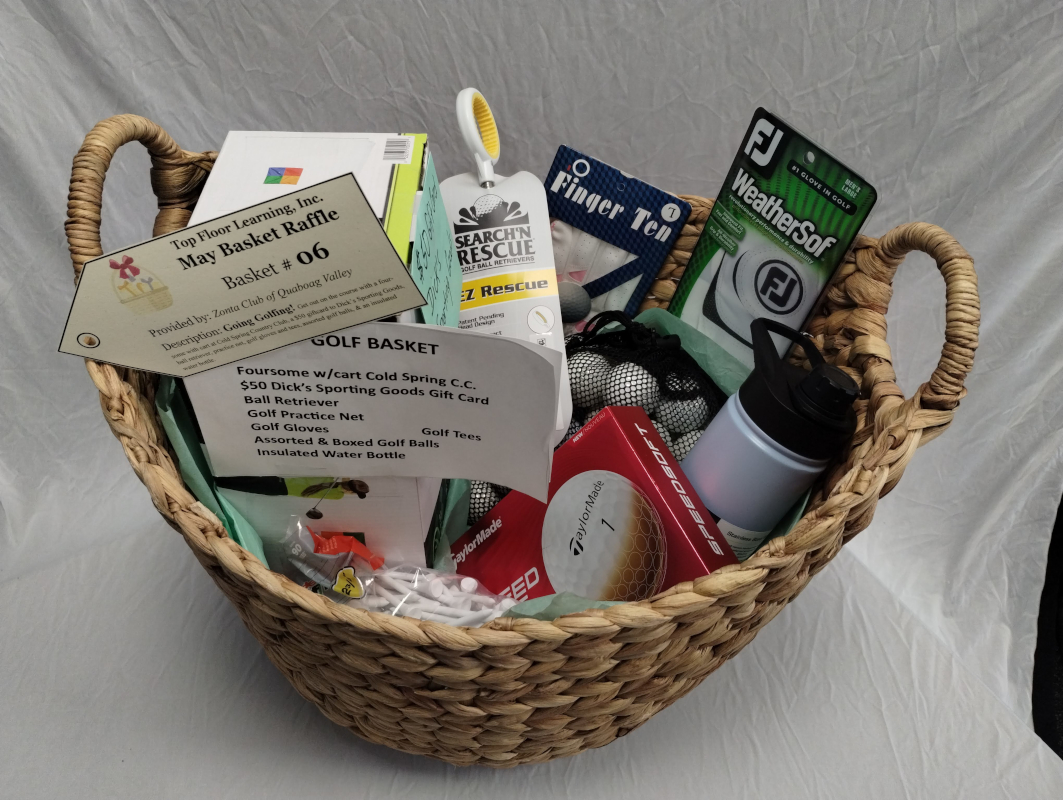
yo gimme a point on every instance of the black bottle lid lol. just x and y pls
(808, 413)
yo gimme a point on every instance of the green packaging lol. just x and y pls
(782, 223)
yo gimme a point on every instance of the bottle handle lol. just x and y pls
(764, 353)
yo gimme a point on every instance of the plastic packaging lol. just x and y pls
(409, 591)
(335, 567)
(611, 232)
(502, 236)
(772, 439)
(343, 568)
(780, 227)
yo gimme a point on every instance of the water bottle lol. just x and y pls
(772, 438)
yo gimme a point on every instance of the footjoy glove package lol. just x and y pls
(783, 221)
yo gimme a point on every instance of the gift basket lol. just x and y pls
(524, 690)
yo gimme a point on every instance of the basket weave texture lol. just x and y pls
(522, 691)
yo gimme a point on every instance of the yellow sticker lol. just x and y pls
(347, 583)
(510, 286)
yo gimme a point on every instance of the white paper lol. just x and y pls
(237, 177)
(386, 399)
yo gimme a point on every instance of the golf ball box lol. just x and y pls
(622, 522)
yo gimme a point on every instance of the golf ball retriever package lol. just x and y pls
(502, 239)
(782, 223)
(622, 522)
(610, 231)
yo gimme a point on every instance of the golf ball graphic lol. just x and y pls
(603, 540)
(486, 204)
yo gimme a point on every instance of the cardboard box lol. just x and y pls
(395, 172)
(622, 522)
(398, 178)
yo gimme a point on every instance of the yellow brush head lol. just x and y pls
(485, 120)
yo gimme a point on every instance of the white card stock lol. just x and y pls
(386, 399)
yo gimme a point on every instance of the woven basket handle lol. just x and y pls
(177, 177)
(945, 388)
(853, 321)
(851, 330)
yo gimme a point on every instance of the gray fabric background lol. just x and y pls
(951, 109)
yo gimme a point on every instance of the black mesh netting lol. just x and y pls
(482, 498)
(615, 361)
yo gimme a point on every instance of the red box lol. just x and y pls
(621, 522)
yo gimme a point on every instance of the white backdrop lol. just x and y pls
(951, 110)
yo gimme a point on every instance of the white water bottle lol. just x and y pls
(771, 440)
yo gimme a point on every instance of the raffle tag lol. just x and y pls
(302, 265)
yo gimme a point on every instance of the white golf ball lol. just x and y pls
(682, 446)
(683, 416)
(663, 431)
(680, 384)
(574, 300)
(587, 376)
(603, 539)
(631, 385)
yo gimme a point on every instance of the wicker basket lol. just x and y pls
(521, 691)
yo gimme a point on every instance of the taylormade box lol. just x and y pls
(622, 522)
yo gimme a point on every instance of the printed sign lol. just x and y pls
(386, 399)
(302, 265)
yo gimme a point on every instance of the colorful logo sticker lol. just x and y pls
(139, 290)
(283, 175)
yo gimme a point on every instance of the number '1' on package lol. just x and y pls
(783, 221)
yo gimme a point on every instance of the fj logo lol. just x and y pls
(759, 147)
(778, 287)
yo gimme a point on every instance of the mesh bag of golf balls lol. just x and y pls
(483, 496)
(616, 361)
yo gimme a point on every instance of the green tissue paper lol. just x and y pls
(552, 606)
(180, 426)
(725, 370)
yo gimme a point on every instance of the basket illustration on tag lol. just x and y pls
(137, 289)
